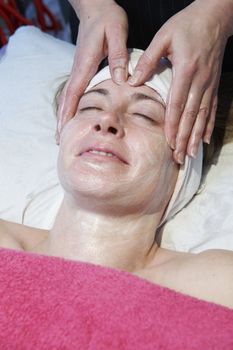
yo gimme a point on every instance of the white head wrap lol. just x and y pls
(189, 176)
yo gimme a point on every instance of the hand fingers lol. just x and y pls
(186, 124)
(117, 52)
(177, 100)
(148, 61)
(84, 67)
(191, 131)
(197, 132)
(211, 121)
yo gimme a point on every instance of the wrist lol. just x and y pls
(223, 9)
(82, 7)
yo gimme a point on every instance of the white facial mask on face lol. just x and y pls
(189, 176)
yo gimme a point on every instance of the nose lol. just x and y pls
(109, 122)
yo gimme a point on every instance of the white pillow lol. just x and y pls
(31, 70)
(207, 221)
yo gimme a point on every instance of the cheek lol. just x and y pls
(71, 137)
(150, 149)
(152, 166)
(72, 130)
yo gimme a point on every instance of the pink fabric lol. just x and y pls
(51, 303)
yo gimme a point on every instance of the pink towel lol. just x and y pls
(51, 303)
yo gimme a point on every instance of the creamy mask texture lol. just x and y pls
(189, 177)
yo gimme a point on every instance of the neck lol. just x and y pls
(125, 242)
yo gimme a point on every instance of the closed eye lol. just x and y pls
(90, 108)
(144, 116)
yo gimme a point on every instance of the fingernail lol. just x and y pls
(207, 139)
(193, 152)
(180, 158)
(171, 143)
(119, 75)
(135, 77)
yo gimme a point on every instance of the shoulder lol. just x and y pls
(207, 275)
(6, 239)
(213, 272)
(18, 236)
(215, 254)
(216, 260)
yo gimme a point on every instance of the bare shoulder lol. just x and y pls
(207, 275)
(18, 236)
(213, 272)
(217, 261)
(216, 255)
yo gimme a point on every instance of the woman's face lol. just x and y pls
(114, 152)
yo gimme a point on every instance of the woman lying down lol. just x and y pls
(120, 185)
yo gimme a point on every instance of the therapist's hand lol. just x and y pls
(194, 41)
(103, 31)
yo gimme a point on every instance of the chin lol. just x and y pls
(99, 180)
(100, 195)
(96, 186)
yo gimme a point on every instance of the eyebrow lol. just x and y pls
(137, 96)
(104, 92)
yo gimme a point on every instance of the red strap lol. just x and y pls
(14, 15)
(7, 20)
(3, 39)
(12, 18)
(42, 13)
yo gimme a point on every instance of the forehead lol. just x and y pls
(125, 90)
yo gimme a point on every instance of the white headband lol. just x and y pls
(189, 176)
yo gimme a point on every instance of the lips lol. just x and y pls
(103, 151)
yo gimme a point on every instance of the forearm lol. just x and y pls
(224, 11)
(86, 6)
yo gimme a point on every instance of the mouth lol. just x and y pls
(103, 154)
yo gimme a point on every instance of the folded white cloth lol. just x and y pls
(160, 81)
(190, 172)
